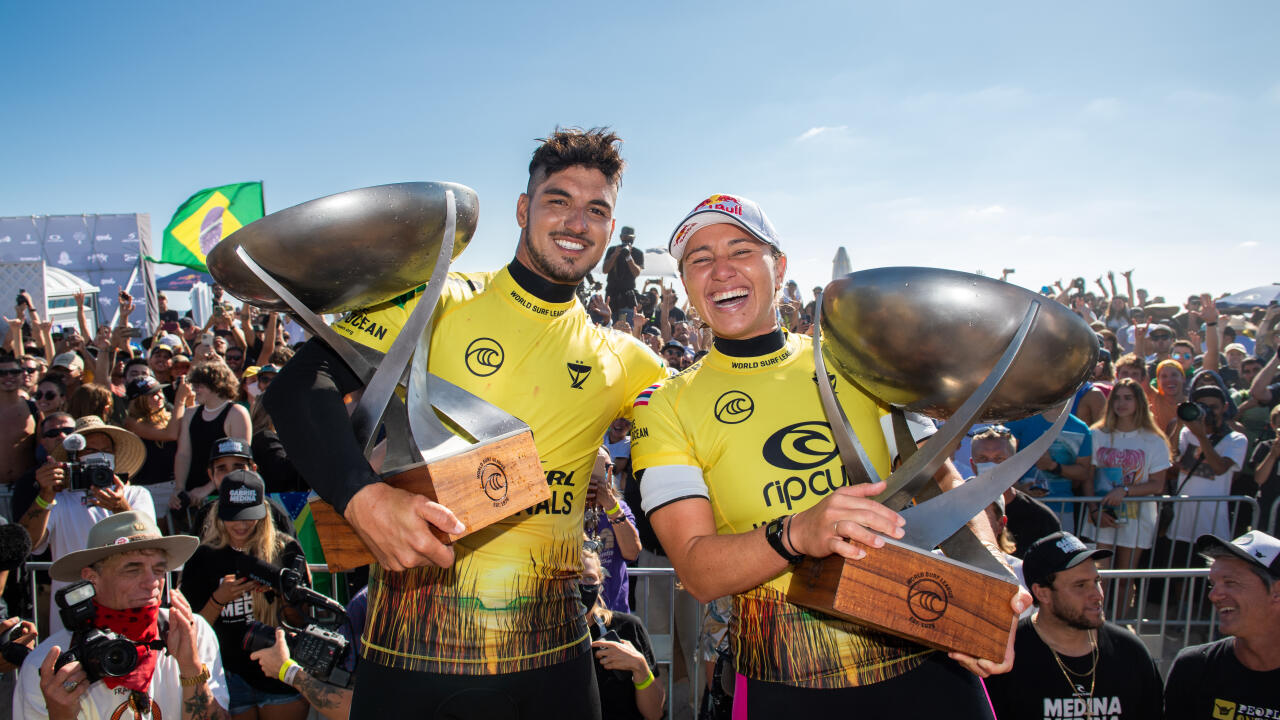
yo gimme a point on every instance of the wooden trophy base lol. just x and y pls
(481, 486)
(907, 592)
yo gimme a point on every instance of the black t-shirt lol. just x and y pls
(620, 278)
(1126, 684)
(200, 577)
(618, 693)
(1209, 681)
(277, 471)
(1029, 520)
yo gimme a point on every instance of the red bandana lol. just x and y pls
(139, 625)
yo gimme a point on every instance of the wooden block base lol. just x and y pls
(924, 597)
(483, 485)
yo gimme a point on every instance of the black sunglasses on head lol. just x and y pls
(14, 371)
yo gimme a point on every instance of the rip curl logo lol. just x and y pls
(802, 446)
(493, 480)
(928, 597)
(484, 357)
(734, 407)
(578, 374)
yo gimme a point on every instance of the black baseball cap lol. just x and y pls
(1055, 553)
(230, 447)
(141, 385)
(627, 231)
(242, 496)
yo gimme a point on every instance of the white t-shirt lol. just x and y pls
(1191, 520)
(1128, 458)
(70, 520)
(102, 703)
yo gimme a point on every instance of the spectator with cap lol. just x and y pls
(160, 360)
(238, 524)
(52, 429)
(61, 517)
(158, 427)
(1071, 662)
(179, 671)
(1209, 453)
(675, 355)
(228, 456)
(1155, 343)
(1239, 675)
(622, 265)
(215, 416)
(70, 367)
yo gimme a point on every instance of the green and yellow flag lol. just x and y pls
(207, 217)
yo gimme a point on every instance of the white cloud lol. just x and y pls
(814, 132)
(1248, 244)
(1104, 108)
(988, 212)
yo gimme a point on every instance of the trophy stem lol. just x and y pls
(373, 403)
(907, 480)
(855, 460)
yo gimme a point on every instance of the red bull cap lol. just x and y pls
(719, 209)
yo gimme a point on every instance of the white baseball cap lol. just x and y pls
(722, 209)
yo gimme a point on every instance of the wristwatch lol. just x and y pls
(773, 533)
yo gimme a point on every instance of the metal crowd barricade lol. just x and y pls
(664, 647)
(1164, 618)
(1205, 512)
(1275, 508)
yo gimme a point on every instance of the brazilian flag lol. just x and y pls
(207, 217)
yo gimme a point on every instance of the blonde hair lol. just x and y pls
(265, 543)
(140, 409)
(599, 610)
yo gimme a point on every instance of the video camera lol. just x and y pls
(101, 653)
(318, 651)
(84, 475)
(317, 647)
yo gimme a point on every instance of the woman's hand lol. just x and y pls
(1114, 498)
(622, 655)
(845, 517)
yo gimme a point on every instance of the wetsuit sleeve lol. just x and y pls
(305, 403)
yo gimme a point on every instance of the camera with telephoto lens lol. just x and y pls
(101, 653)
(84, 475)
(318, 651)
(1192, 411)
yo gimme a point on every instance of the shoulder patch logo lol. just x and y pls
(578, 374)
(484, 356)
(734, 407)
(643, 397)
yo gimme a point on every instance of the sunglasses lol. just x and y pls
(1182, 356)
(52, 433)
(47, 395)
(30, 370)
(7, 373)
(1160, 337)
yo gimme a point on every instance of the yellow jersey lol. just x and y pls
(510, 601)
(754, 430)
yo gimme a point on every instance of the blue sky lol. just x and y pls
(1059, 140)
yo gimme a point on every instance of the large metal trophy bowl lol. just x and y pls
(356, 249)
(951, 346)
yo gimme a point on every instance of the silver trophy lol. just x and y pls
(952, 346)
(357, 249)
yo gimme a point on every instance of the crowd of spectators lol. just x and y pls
(1187, 390)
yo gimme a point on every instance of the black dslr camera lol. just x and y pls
(84, 475)
(101, 653)
(316, 647)
(318, 651)
(1191, 411)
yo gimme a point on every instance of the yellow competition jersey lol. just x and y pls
(510, 601)
(754, 426)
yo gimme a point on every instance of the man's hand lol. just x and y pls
(62, 688)
(111, 498)
(1208, 309)
(79, 297)
(181, 641)
(52, 478)
(848, 514)
(273, 658)
(396, 527)
(985, 668)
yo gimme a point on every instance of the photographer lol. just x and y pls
(219, 590)
(1210, 453)
(176, 672)
(622, 265)
(77, 492)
